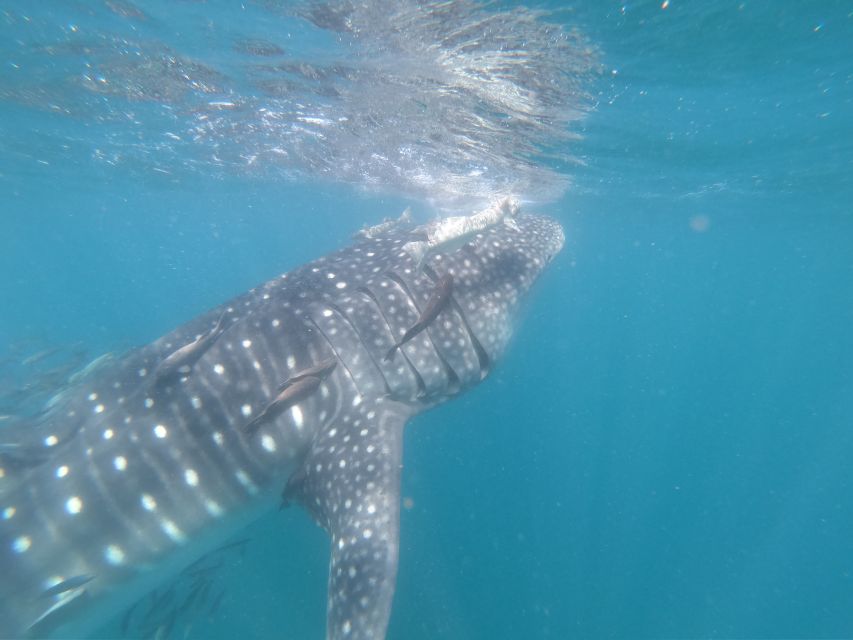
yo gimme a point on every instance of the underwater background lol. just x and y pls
(665, 451)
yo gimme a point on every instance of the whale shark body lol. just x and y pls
(302, 386)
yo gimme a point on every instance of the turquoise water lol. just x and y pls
(665, 450)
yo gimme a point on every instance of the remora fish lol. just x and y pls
(320, 370)
(437, 302)
(182, 359)
(448, 234)
(385, 226)
(291, 395)
(130, 482)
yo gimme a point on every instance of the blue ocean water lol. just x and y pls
(665, 450)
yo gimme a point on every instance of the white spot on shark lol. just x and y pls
(62, 471)
(191, 477)
(22, 544)
(173, 531)
(268, 443)
(148, 502)
(243, 479)
(120, 463)
(74, 505)
(114, 555)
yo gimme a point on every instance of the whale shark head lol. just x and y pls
(452, 314)
(306, 381)
(496, 270)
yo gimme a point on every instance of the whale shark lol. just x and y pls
(297, 391)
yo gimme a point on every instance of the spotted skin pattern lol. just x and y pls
(131, 476)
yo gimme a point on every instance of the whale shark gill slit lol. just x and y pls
(453, 382)
(419, 381)
(345, 318)
(482, 356)
(375, 301)
(337, 356)
(434, 305)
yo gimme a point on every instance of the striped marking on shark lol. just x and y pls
(163, 454)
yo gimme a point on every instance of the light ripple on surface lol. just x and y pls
(453, 102)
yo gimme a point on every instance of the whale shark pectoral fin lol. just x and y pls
(350, 483)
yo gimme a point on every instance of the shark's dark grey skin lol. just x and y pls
(132, 476)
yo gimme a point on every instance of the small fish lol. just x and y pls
(66, 585)
(201, 569)
(241, 543)
(290, 396)
(38, 356)
(160, 602)
(321, 371)
(57, 611)
(385, 226)
(93, 366)
(199, 588)
(437, 301)
(451, 233)
(128, 616)
(165, 628)
(207, 562)
(159, 625)
(18, 456)
(214, 606)
(125, 9)
(182, 359)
